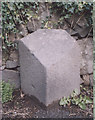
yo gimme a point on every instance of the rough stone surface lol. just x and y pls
(14, 55)
(12, 37)
(33, 25)
(11, 64)
(0, 79)
(86, 46)
(83, 32)
(49, 64)
(86, 79)
(81, 80)
(2, 67)
(23, 31)
(12, 77)
(91, 79)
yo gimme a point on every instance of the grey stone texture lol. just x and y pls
(91, 79)
(14, 55)
(0, 108)
(11, 64)
(86, 79)
(0, 78)
(12, 77)
(49, 64)
(86, 46)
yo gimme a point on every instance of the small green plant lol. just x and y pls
(13, 15)
(76, 99)
(66, 9)
(7, 91)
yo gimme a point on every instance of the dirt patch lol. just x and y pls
(29, 107)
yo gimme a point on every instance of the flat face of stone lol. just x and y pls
(50, 61)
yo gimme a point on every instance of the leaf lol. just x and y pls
(84, 89)
(81, 98)
(68, 99)
(76, 92)
(82, 105)
(62, 102)
(80, 86)
(7, 91)
(88, 100)
(67, 16)
(77, 101)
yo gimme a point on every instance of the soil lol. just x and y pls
(24, 106)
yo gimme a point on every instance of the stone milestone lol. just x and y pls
(49, 64)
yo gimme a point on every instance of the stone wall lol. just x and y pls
(0, 64)
(86, 68)
(10, 70)
(82, 34)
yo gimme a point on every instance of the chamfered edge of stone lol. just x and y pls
(24, 39)
(28, 37)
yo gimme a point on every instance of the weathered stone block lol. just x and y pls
(12, 77)
(86, 46)
(49, 65)
(11, 64)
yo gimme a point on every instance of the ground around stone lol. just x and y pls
(28, 107)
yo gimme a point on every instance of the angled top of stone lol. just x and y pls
(49, 45)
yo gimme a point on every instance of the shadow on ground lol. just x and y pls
(29, 107)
